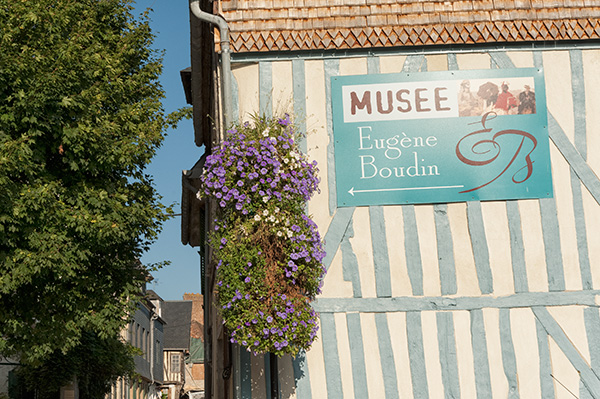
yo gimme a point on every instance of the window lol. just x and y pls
(136, 336)
(143, 343)
(130, 333)
(175, 363)
(148, 345)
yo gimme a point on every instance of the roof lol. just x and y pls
(152, 295)
(283, 25)
(178, 316)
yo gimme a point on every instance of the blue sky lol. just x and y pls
(170, 24)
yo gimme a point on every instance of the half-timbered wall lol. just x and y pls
(465, 300)
(173, 371)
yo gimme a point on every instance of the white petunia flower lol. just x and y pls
(257, 217)
(265, 132)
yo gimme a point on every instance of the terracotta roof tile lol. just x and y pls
(283, 25)
(392, 20)
(462, 5)
(525, 4)
(415, 8)
(443, 7)
(377, 20)
(236, 15)
(483, 5)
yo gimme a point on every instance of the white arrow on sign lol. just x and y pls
(352, 190)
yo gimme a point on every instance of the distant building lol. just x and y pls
(6, 367)
(178, 316)
(194, 364)
(146, 332)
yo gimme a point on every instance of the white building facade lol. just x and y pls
(469, 298)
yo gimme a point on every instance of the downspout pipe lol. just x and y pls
(153, 318)
(226, 92)
(227, 109)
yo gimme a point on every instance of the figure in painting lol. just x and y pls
(488, 92)
(467, 103)
(527, 101)
(506, 102)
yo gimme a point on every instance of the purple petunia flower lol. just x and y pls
(245, 165)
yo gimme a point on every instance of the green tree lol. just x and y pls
(80, 118)
(95, 362)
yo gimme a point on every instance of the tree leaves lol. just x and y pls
(96, 361)
(80, 118)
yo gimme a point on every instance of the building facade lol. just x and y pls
(487, 298)
(178, 316)
(194, 364)
(145, 332)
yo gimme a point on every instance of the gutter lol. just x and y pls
(227, 109)
(226, 92)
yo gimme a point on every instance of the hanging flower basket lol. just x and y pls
(268, 251)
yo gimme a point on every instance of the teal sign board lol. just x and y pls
(431, 137)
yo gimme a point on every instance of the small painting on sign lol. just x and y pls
(436, 137)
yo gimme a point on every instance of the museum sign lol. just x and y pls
(434, 137)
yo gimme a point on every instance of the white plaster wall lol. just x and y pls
(246, 76)
(496, 225)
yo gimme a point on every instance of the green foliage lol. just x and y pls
(80, 118)
(96, 363)
(176, 116)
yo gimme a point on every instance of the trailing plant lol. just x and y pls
(268, 251)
